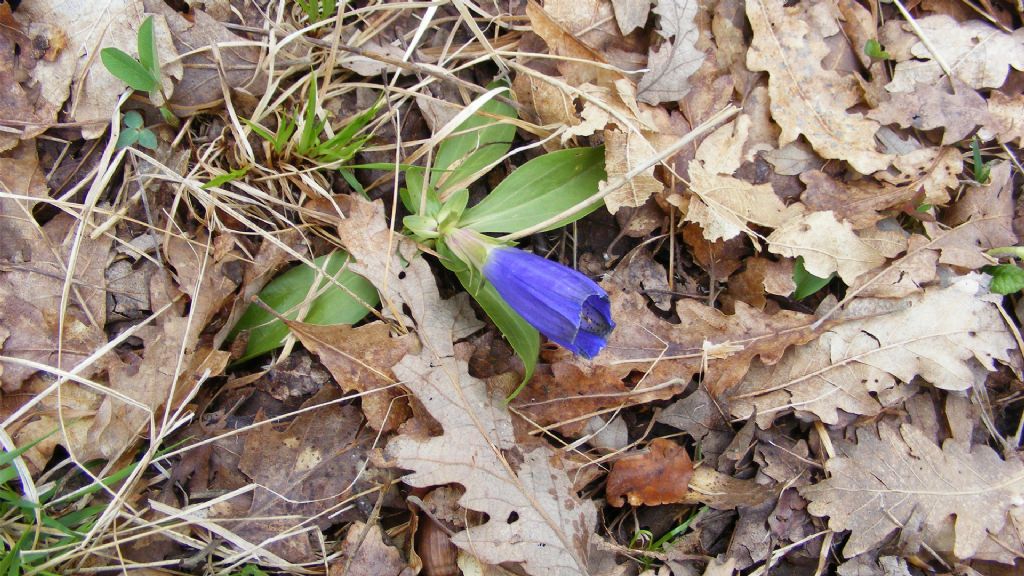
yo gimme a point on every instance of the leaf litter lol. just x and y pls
(873, 427)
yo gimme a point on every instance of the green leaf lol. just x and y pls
(523, 337)
(413, 192)
(285, 294)
(874, 50)
(147, 48)
(477, 143)
(169, 116)
(126, 138)
(225, 178)
(311, 125)
(148, 139)
(982, 170)
(541, 188)
(807, 283)
(128, 70)
(1006, 278)
(133, 119)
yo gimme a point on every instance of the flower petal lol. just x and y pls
(559, 302)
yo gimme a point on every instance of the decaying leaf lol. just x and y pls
(626, 151)
(364, 553)
(535, 518)
(826, 245)
(903, 478)
(948, 336)
(807, 98)
(656, 476)
(360, 359)
(977, 53)
(725, 206)
(1007, 116)
(936, 105)
(631, 14)
(672, 64)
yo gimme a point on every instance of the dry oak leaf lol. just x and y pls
(672, 64)
(935, 170)
(724, 206)
(806, 98)
(977, 53)
(948, 336)
(862, 203)
(980, 220)
(584, 64)
(898, 475)
(624, 151)
(364, 553)
(936, 105)
(360, 360)
(826, 244)
(402, 277)
(309, 467)
(720, 345)
(1007, 117)
(658, 475)
(631, 14)
(535, 517)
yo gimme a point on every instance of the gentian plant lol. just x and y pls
(524, 294)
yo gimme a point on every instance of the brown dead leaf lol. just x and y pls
(900, 472)
(723, 492)
(20, 175)
(759, 277)
(563, 42)
(794, 159)
(364, 553)
(77, 71)
(935, 170)
(981, 219)
(936, 105)
(535, 517)
(309, 467)
(672, 64)
(625, 151)
(860, 203)
(977, 53)
(723, 345)
(700, 416)
(19, 102)
(725, 207)
(944, 335)
(655, 476)
(402, 276)
(807, 98)
(631, 14)
(1007, 114)
(360, 359)
(826, 245)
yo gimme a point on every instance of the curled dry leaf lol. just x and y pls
(1007, 117)
(658, 475)
(977, 53)
(807, 98)
(535, 517)
(908, 481)
(364, 553)
(948, 336)
(671, 64)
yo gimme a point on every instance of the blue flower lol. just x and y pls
(559, 302)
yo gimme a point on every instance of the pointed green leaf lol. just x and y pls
(477, 143)
(225, 178)
(543, 187)
(285, 294)
(147, 48)
(128, 70)
(807, 283)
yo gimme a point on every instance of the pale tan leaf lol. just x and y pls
(930, 106)
(671, 64)
(826, 244)
(535, 517)
(862, 203)
(947, 336)
(981, 219)
(723, 151)
(888, 478)
(725, 206)
(794, 158)
(977, 53)
(624, 151)
(1007, 116)
(936, 170)
(807, 98)
(631, 14)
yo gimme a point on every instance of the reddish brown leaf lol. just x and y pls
(656, 476)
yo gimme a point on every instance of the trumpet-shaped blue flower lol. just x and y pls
(559, 302)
